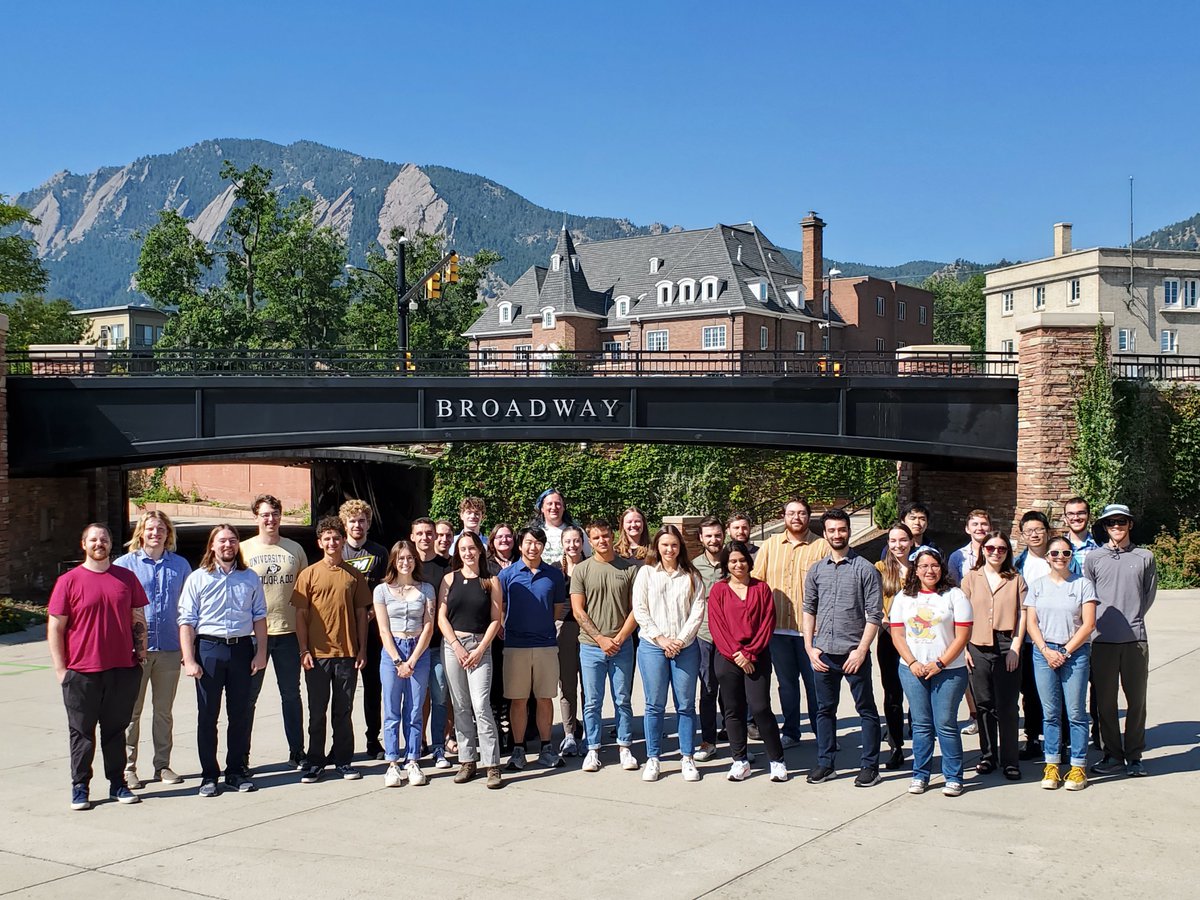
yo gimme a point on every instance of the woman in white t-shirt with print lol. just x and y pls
(1062, 616)
(931, 623)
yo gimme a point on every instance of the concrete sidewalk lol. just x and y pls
(566, 833)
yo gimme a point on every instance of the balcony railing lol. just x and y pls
(88, 361)
(1167, 367)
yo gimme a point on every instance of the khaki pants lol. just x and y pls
(160, 672)
(1129, 666)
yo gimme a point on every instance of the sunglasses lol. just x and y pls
(990, 550)
(1120, 523)
(1058, 554)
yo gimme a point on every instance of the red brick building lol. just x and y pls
(881, 315)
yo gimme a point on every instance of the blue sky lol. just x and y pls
(917, 130)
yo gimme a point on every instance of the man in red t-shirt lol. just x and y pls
(97, 637)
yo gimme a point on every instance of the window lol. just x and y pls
(548, 317)
(1006, 303)
(655, 262)
(1039, 297)
(825, 339)
(901, 310)
(899, 344)
(764, 338)
(687, 291)
(1170, 292)
(143, 335)
(1168, 341)
(800, 341)
(880, 306)
(923, 315)
(622, 307)
(612, 350)
(158, 330)
(657, 340)
(555, 262)
(117, 332)
(1074, 292)
(713, 337)
(664, 292)
(505, 310)
(1191, 291)
(523, 352)
(1126, 340)
(1007, 346)
(880, 344)
(759, 289)
(708, 288)
(487, 356)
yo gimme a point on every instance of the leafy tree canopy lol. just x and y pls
(35, 320)
(20, 269)
(958, 310)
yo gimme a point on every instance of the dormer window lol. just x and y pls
(655, 265)
(622, 307)
(505, 310)
(664, 291)
(687, 291)
(758, 287)
(574, 262)
(555, 262)
(709, 287)
(548, 317)
(795, 295)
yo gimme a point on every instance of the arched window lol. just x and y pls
(555, 262)
(664, 290)
(505, 310)
(709, 287)
(548, 317)
(622, 307)
(655, 265)
(687, 290)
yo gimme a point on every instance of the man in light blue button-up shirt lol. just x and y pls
(223, 638)
(162, 572)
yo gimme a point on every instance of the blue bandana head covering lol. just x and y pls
(925, 548)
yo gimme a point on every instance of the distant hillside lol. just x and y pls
(88, 241)
(1183, 235)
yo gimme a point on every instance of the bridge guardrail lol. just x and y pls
(88, 361)
(1167, 367)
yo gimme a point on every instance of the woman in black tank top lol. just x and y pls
(469, 619)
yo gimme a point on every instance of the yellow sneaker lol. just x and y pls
(1076, 779)
(1051, 780)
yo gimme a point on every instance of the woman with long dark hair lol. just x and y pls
(570, 685)
(930, 623)
(997, 594)
(893, 569)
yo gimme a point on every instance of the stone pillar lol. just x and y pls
(5, 565)
(1052, 350)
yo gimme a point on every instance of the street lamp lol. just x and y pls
(833, 273)
(401, 306)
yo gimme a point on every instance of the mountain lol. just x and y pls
(1183, 235)
(88, 237)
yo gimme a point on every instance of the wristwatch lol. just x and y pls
(938, 662)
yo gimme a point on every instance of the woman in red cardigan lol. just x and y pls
(741, 617)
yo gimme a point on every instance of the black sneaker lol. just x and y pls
(1108, 766)
(297, 761)
(867, 778)
(312, 775)
(208, 789)
(349, 773)
(1032, 750)
(375, 750)
(120, 792)
(240, 783)
(895, 760)
(752, 732)
(820, 774)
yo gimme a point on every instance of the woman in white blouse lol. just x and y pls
(668, 604)
(404, 607)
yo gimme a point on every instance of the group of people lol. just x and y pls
(463, 641)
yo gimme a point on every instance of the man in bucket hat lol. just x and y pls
(1126, 582)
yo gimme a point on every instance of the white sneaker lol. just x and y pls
(952, 789)
(690, 772)
(918, 786)
(628, 763)
(591, 762)
(415, 775)
(392, 777)
(569, 746)
(650, 772)
(440, 761)
(779, 771)
(739, 770)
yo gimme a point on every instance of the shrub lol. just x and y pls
(1178, 556)
(886, 511)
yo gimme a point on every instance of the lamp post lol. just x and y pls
(401, 307)
(829, 307)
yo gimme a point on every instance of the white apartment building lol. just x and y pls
(1153, 295)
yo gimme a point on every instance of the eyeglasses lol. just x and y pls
(1058, 554)
(991, 551)
(929, 567)
(1120, 523)
(268, 515)
(1034, 532)
(1076, 515)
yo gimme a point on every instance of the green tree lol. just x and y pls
(35, 320)
(217, 318)
(250, 228)
(1096, 457)
(958, 309)
(20, 269)
(173, 262)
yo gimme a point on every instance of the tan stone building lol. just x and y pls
(123, 327)
(1153, 296)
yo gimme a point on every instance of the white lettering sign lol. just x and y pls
(600, 411)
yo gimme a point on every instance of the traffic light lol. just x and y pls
(452, 269)
(433, 287)
(408, 363)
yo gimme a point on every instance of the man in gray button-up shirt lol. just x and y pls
(843, 610)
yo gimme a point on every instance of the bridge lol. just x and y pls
(73, 410)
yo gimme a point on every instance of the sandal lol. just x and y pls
(1012, 773)
(985, 767)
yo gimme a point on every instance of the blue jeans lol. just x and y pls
(1068, 683)
(680, 674)
(439, 696)
(403, 699)
(618, 671)
(792, 665)
(284, 653)
(829, 690)
(933, 704)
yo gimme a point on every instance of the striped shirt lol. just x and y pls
(783, 564)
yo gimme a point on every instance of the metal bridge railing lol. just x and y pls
(87, 361)
(1168, 367)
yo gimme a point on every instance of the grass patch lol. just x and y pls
(16, 616)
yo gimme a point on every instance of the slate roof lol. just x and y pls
(736, 255)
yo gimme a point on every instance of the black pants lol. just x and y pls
(893, 690)
(996, 693)
(372, 694)
(709, 694)
(829, 690)
(1031, 703)
(738, 690)
(105, 699)
(328, 679)
(226, 673)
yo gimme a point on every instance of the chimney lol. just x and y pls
(1062, 238)
(813, 264)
